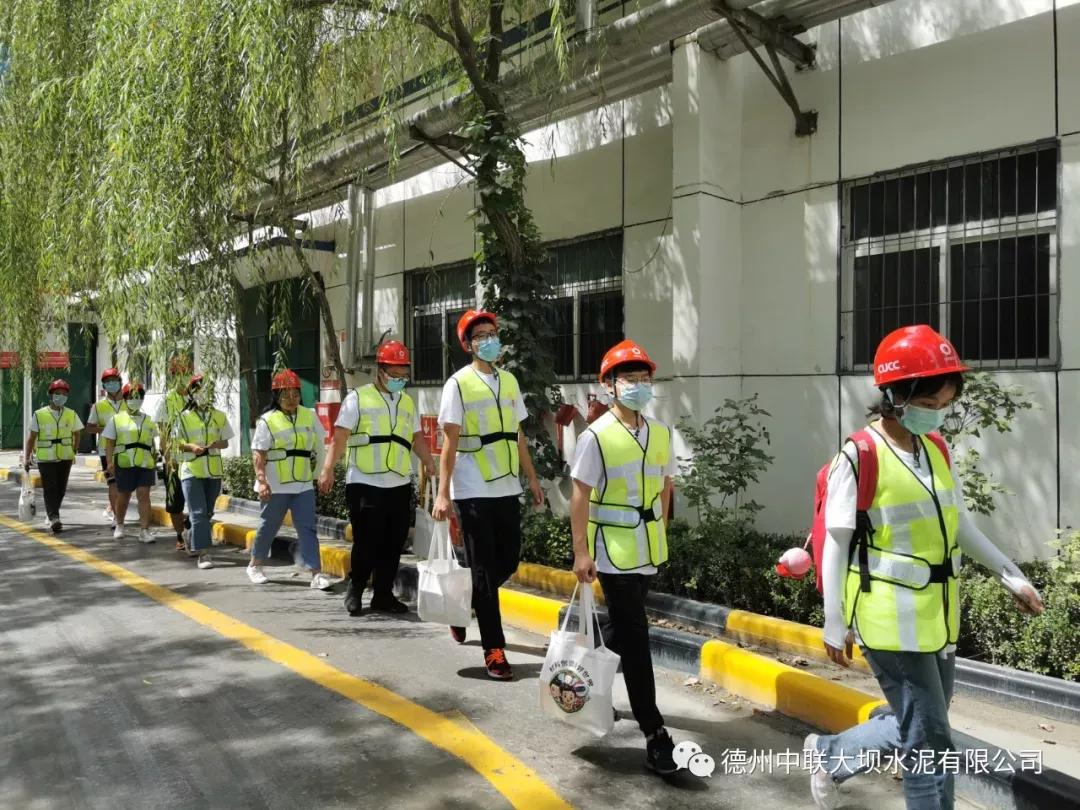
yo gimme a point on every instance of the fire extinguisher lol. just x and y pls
(596, 409)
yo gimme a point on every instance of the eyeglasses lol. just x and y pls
(483, 335)
(633, 379)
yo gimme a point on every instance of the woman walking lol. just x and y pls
(54, 432)
(129, 453)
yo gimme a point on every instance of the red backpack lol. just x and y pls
(867, 477)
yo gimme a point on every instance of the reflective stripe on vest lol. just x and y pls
(106, 409)
(490, 432)
(633, 486)
(294, 442)
(55, 436)
(197, 430)
(375, 446)
(134, 441)
(912, 559)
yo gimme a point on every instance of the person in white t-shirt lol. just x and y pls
(54, 431)
(379, 425)
(890, 573)
(619, 510)
(288, 440)
(484, 451)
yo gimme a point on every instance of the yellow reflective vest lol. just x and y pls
(375, 445)
(106, 409)
(490, 431)
(134, 440)
(55, 437)
(294, 444)
(911, 601)
(631, 494)
(203, 430)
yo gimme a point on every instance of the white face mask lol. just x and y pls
(134, 404)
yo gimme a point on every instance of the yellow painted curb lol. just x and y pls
(233, 534)
(792, 692)
(753, 628)
(93, 462)
(35, 479)
(533, 613)
(552, 580)
(100, 477)
(222, 503)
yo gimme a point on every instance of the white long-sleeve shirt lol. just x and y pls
(840, 508)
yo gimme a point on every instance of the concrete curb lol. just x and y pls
(17, 476)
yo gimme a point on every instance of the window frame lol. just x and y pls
(944, 238)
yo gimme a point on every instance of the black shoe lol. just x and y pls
(388, 604)
(499, 668)
(354, 603)
(458, 634)
(659, 753)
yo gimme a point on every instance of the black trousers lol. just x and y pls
(492, 532)
(54, 482)
(380, 524)
(626, 632)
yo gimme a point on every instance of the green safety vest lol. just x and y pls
(198, 430)
(490, 431)
(106, 409)
(375, 445)
(633, 485)
(294, 444)
(912, 604)
(134, 440)
(55, 438)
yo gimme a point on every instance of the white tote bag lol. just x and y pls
(425, 524)
(444, 587)
(576, 682)
(27, 507)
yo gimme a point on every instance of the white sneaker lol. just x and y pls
(822, 786)
(256, 575)
(118, 533)
(205, 561)
(146, 536)
(321, 582)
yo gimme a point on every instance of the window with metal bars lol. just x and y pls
(968, 246)
(586, 312)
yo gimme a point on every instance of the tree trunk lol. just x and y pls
(246, 368)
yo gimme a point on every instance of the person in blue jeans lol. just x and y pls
(890, 576)
(288, 439)
(199, 435)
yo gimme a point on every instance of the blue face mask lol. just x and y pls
(395, 385)
(635, 396)
(59, 400)
(921, 421)
(488, 349)
(112, 387)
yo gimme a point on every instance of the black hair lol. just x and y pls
(627, 368)
(907, 390)
(137, 387)
(477, 322)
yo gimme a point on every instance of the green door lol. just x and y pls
(82, 376)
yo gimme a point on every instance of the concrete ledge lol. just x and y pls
(552, 580)
(16, 476)
(333, 528)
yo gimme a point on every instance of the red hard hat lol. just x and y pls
(285, 379)
(468, 319)
(57, 385)
(132, 387)
(392, 353)
(109, 372)
(195, 378)
(914, 352)
(179, 365)
(625, 352)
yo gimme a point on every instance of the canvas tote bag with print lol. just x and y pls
(576, 682)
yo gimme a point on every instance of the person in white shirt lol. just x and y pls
(379, 426)
(619, 511)
(101, 414)
(890, 573)
(289, 439)
(484, 452)
(129, 451)
(54, 431)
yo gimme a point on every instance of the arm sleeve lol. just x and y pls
(227, 431)
(349, 415)
(110, 430)
(92, 418)
(980, 548)
(588, 467)
(262, 439)
(833, 568)
(451, 411)
(78, 423)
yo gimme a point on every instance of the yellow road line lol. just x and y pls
(521, 786)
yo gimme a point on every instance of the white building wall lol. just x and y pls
(731, 226)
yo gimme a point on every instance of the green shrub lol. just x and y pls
(333, 504)
(546, 539)
(238, 477)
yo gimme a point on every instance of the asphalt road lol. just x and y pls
(117, 693)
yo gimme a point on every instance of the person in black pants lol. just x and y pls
(54, 432)
(379, 425)
(618, 513)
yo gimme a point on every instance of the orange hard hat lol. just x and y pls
(59, 385)
(625, 352)
(196, 379)
(392, 353)
(109, 372)
(285, 379)
(132, 387)
(914, 352)
(468, 319)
